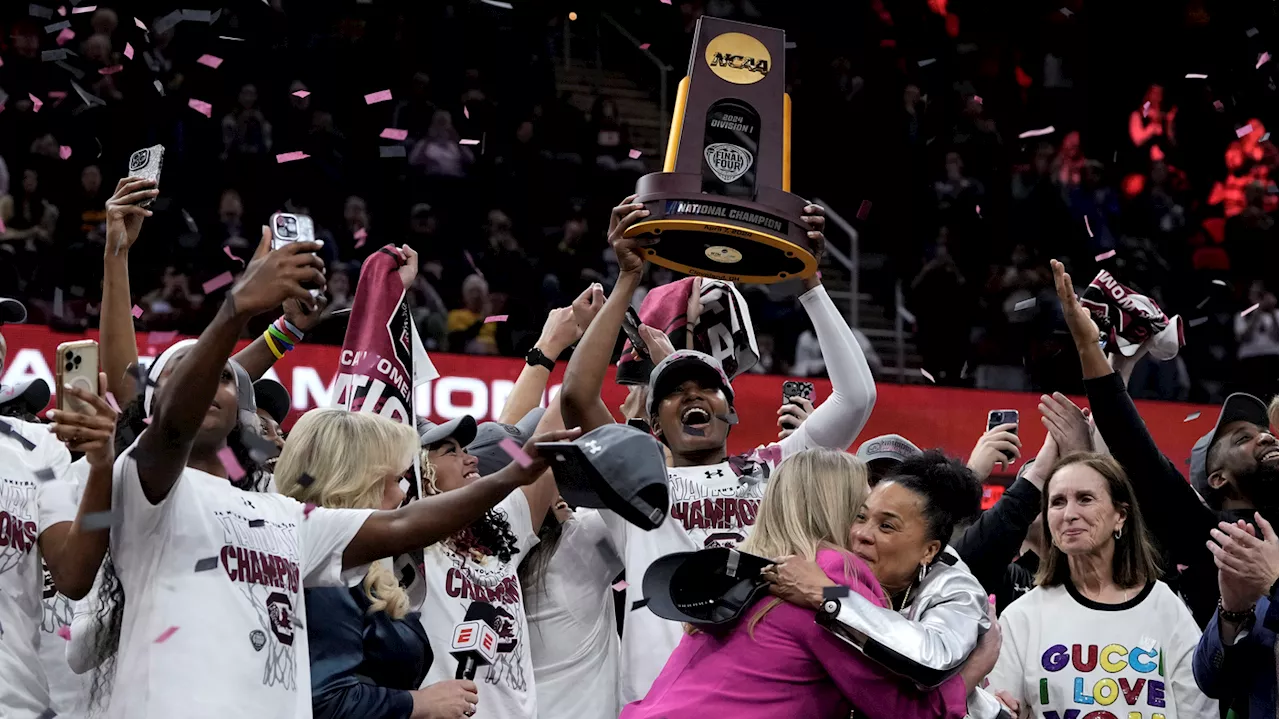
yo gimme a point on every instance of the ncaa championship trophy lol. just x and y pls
(721, 206)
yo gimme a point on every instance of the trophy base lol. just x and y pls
(725, 238)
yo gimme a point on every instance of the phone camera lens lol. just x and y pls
(69, 367)
(77, 361)
(70, 354)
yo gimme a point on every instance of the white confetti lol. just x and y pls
(1242, 131)
(1196, 76)
(1197, 321)
(926, 62)
(1026, 304)
(928, 376)
(1249, 311)
(498, 3)
(1037, 133)
(1220, 283)
(1192, 416)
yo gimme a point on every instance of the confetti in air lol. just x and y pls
(499, 3)
(517, 454)
(1105, 255)
(226, 250)
(926, 62)
(96, 521)
(291, 156)
(1026, 304)
(927, 376)
(375, 97)
(65, 632)
(468, 142)
(1220, 283)
(39, 11)
(201, 107)
(218, 282)
(307, 509)
(495, 318)
(86, 8)
(128, 51)
(633, 154)
(1197, 321)
(64, 152)
(1196, 76)
(392, 133)
(46, 474)
(255, 523)
(1249, 311)
(1037, 133)
(1251, 32)
(360, 236)
(1203, 302)
(1242, 131)
(1192, 416)
(165, 635)
(161, 338)
(57, 26)
(1145, 107)
(230, 463)
(1262, 60)
(392, 151)
(644, 46)
(864, 209)
(207, 564)
(620, 585)
(112, 403)
(142, 26)
(110, 70)
(36, 103)
(57, 302)
(300, 93)
(212, 61)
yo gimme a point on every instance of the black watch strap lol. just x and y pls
(535, 357)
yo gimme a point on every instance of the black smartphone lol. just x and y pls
(631, 325)
(790, 390)
(997, 417)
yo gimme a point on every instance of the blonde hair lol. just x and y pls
(1273, 412)
(809, 503)
(347, 455)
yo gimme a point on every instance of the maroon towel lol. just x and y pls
(722, 326)
(1126, 319)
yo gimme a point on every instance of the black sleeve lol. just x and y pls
(991, 543)
(336, 642)
(1171, 509)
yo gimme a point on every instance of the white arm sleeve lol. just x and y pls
(837, 421)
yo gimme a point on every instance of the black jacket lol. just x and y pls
(990, 544)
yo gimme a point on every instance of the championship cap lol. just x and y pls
(887, 446)
(681, 366)
(485, 446)
(1238, 407)
(462, 429)
(273, 398)
(615, 467)
(710, 587)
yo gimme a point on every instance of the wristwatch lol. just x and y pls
(534, 357)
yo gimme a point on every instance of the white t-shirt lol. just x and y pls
(228, 641)
(459, 573)
(1064, 655)
(711, 506)
(573, 633)
(28, 506)
(68, 691)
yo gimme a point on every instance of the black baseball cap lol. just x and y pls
(272, 397)
(462, 429)
(485, 446)
(710, 587)
(12, 311)
(1238, 407)
(681, 366)
(31, 396)
(615, 467)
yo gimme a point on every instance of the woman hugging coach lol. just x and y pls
(1099, 636)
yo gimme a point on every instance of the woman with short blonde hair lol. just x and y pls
(369, 653)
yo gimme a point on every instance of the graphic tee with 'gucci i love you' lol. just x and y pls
(1067, 657)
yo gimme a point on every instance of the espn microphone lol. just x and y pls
(474, 644)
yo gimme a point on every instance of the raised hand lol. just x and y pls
(587, 306)
(1084, 331)
(630, 259)
(274, 276)
(1247, 564)
(408, 264)
(658, 344)
(559, 332)
(124, 216)
(995, 446)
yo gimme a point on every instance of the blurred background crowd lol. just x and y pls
(964, 144)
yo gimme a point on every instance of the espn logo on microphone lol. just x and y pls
(478, 637)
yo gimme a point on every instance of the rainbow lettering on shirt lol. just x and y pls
(1088, 693)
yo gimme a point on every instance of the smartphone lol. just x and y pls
(997, 417)
(287, 227)
(147, 163)
(78, 367)
(631, 325)
(797, 389)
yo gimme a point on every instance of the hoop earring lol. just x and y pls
(1117, 534)
(922, 572)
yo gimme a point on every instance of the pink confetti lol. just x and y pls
(864, 209)
(1217, 105)
(291, 156)
(218, 282)
(146, 420)
(62, 12)
(666, 2)
(465, 112)
(977, 99)
(361, 236)
(57, 95)
(1086, 225)
(165, 634)
(212, 61)
(137, 311)
(301, 93)
(64, 631)
(110, 70)
(140, 24)
(86, 8)
(376, 97)
(1262, 60)
(928, 376)
(201, 107)
(307, 509)
(112, 403)
(36, 103)
(1105, 255)
(1192, 416)
(1242, 131)
(128, 51)
(392, 133)
(1146, 106)
(514, 450)
(226, 250)
(1249, 311)
(633, 154)
(468, 142)
(495, 318)
(64, 152)
(66, 36)
(644, 46)
(620, 585)
(230, 463)
(977, 209)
